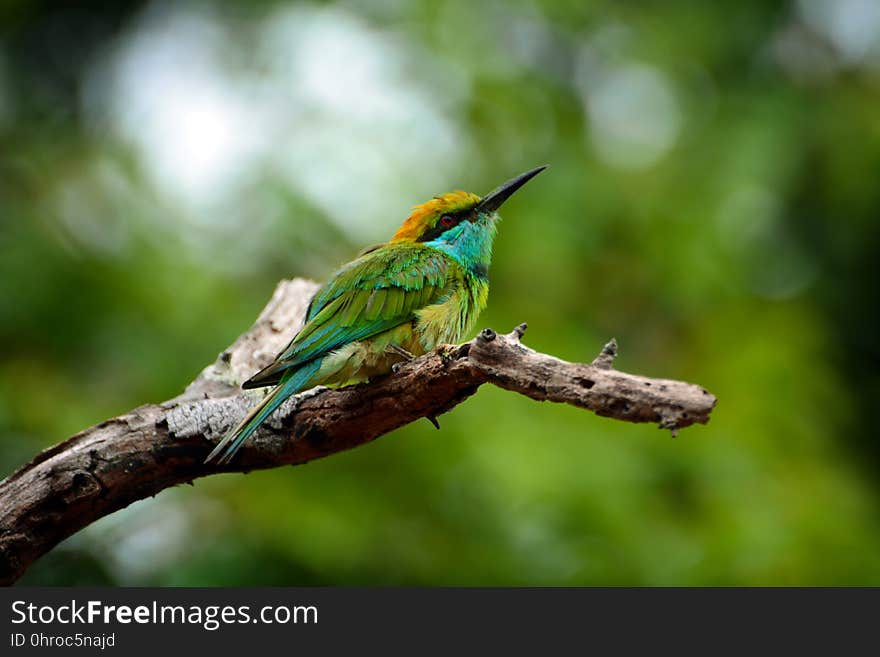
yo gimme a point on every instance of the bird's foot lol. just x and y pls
(397, 350)
(433, 420)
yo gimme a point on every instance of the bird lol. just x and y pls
(396, 301)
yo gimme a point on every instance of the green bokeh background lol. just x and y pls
(712, 203)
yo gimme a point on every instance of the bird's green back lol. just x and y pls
(377, 292)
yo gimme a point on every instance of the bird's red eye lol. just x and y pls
(446, 220)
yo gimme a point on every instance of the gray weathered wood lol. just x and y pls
(140, 453)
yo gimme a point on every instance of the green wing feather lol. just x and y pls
(380, 290)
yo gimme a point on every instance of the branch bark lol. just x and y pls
(153, 447)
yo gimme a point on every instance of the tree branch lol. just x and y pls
(153, 447)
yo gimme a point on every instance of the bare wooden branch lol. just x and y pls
(153, 447)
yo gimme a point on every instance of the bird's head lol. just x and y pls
(449, 218)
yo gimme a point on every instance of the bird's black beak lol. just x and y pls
(495, 199)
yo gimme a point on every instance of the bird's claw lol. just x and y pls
(397, 350)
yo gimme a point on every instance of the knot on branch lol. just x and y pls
(605, 359)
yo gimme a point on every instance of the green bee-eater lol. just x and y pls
(425, 287)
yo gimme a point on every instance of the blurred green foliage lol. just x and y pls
(712, 203)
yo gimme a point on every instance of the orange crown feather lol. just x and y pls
(424, 216)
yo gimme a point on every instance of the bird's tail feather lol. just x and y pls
(227, 448)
